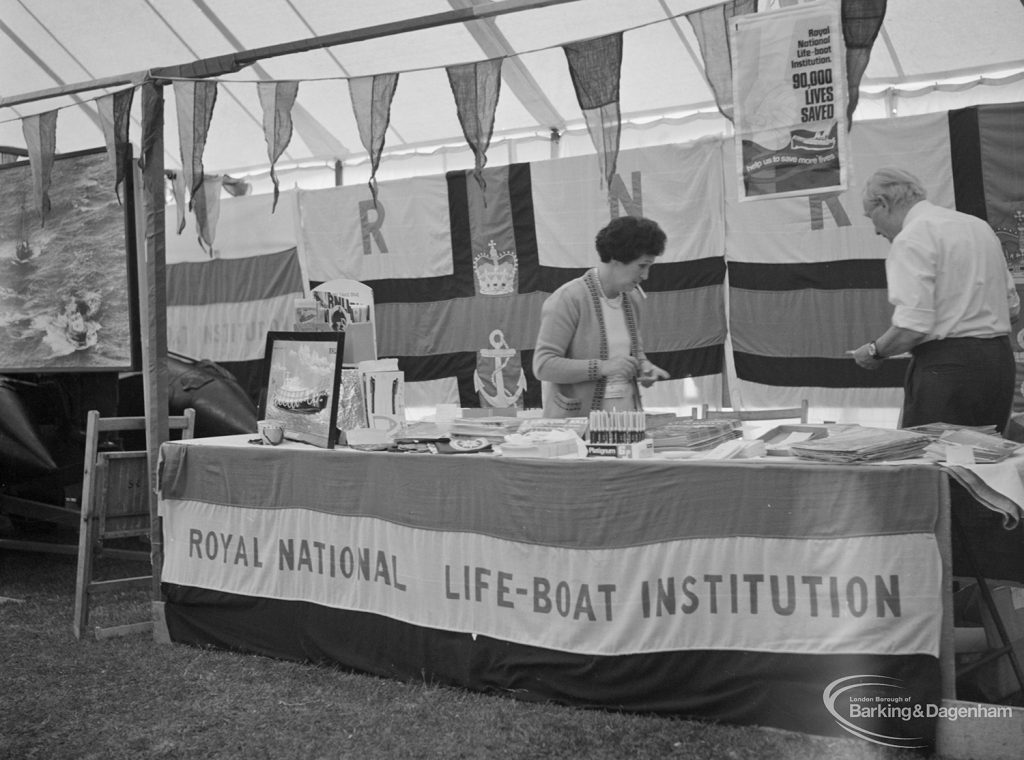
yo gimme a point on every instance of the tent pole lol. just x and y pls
(153, 302)
(225, 64)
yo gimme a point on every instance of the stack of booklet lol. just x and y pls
(863, 444)
(577, 425)
(985, 444)
(684, 433)
(494, 429)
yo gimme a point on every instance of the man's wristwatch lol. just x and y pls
(873, 351)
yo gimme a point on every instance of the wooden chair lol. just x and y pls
(1006, 645)
(795, 412)
(115, 504)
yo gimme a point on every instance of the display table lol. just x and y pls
(756, 592)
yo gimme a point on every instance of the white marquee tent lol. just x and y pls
(931, 55)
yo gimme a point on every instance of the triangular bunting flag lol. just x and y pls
(862, 20)
(206, 206)
(235, 187)
(41, 140)
(178, 191)
(277, 99)
(371, 104)
(115, 112)
(194, 101)
(476, 87)
(595, 66)
(711, 25)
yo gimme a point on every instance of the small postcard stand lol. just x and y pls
(341, 305)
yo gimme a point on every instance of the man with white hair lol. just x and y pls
(953, 298)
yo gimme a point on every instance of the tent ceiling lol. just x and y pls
(46, 44)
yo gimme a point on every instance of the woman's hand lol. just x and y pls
(651, 373)
(620, 368)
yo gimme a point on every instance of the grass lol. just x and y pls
(130, 698)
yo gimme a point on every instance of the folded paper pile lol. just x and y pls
(863, 444)
(982, 445)
(543, 444)
(686, 434)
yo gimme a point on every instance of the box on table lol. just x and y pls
(636, 450)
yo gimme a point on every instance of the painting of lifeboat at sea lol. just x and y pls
(302, 374)
(68, 291)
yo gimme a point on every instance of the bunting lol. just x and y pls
(476, 87)
(277, 100)
(711, 26)
(194, 101)
(235, 187)
(862, 20)
(178, 191)
(206, 206)
(371, 104)
(40, 133)
(595, 66)
(115, 115)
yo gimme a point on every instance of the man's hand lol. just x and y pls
(864, 359)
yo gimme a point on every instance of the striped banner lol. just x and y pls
(224, 308)
(717, 570)
(807, 279)
(746, 594)
(749, 596)
(988, 162)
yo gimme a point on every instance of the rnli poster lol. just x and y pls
(790, 101)
(302, 374)
(66, 283)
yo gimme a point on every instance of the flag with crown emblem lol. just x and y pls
(469, 300)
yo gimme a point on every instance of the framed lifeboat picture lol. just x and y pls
(302, 374)
(68, 277)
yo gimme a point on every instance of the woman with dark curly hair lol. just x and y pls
(589, 345)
